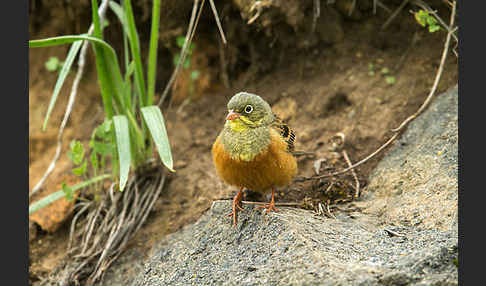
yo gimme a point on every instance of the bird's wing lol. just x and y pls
(287, 134)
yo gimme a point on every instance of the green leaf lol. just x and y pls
(120, 13)
(123, 145)
(130, 70)
(155, 122)
(106, 23)
(390, 79)
(194, 74)
(421, 17)
(431, 21)
(176, 58)
(81, 170)
(94, 160)
(77, 152)
(109, 76)
(68, 192)
(66, 67)
(187, 63)
(135, 49)
(60, 193)
(101, 148)
(52, 64)
(434, 28)
(62, 40)
(180, 41)
(385, 70)
(152, 58)
(190, 48)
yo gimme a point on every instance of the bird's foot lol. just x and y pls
(236, 207)
(270, 207)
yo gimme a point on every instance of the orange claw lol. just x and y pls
(236, 206)
(271, 206)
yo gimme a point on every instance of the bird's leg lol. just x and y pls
(271, 206)
(236, 206)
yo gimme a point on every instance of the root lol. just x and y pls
(109, 226)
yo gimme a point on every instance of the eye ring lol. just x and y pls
(248, 108)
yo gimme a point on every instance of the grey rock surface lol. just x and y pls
(405, 232)
(295, 247)
(416, 183)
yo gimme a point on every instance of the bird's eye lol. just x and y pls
(248, 108)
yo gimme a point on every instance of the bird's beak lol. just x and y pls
(232, 115)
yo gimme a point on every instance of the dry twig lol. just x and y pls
(393, 232)
(189, 35)
(276, 204)
(437, 76)
(395, 13)
(345, 154)
(218, 22)
(316, 14)
(193, 22)
(409, 119)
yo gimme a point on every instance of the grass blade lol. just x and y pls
(118, 10)
(109, 75)
(123, 146)
(59, 194)
(155, 122)
(135, 49)
(73, 51)
(152, 60)
(62, 40)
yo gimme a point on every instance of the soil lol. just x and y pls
(320, 91)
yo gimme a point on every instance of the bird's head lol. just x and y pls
(246, 110)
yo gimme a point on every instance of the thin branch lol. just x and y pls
(393, 232)
(437, 76)
(395, 13)
(404, 123)
(189, 33)
(215, 12)
(381, 5)
(345, 154)
(276, 204)
(356, 164)
(316, 14)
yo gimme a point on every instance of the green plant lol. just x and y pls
(389, 79)
(133, 125)
(187, 61)
(426, 20)
(194, 75)
(53, 64)
(371, 69)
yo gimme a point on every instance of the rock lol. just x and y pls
(416, 182)
(295, 247)
(405, 234)
(52, 217)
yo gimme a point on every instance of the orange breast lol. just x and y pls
(273, 167)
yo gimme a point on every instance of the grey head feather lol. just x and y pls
(261, 109)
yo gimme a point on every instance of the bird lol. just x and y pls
(254, 150)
